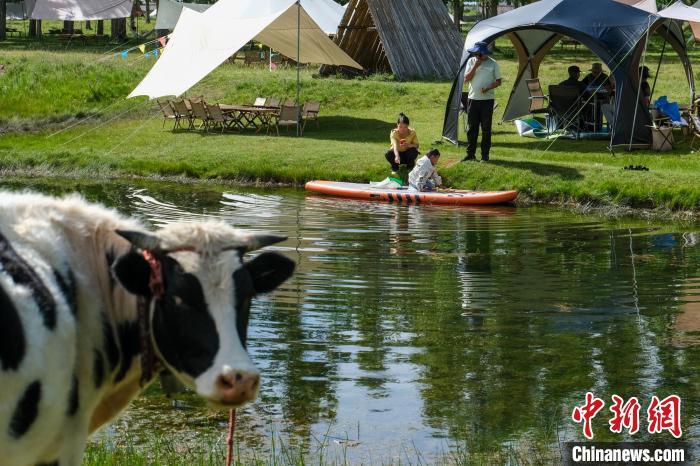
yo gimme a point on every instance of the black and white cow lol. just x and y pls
(74, 278)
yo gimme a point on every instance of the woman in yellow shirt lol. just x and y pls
(404, 145)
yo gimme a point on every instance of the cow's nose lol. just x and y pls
(237, 387)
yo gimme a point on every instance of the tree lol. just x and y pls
(119, 29)
(34, 28)
(457, 12)
(489, 8)
(3, 19)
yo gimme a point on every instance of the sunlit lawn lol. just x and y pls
(49, 92)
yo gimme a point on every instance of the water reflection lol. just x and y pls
(432, 325)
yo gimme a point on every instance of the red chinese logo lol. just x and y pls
(662, 415)
(587, 412)
(625, 415)
(665, 415)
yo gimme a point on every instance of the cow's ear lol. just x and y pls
(269, 270)
(133, 272)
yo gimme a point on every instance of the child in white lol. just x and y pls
(424, 176)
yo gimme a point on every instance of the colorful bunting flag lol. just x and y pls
(155, 53)
(142, 48)
(162, 41)
(125, 53)
(160, 50)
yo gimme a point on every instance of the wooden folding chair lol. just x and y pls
(287, 117)
(218, 117)
(199, 111)
(182, 113)
(310, 113)
(539, 103)
(168, 113)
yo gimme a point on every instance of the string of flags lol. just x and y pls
(160, 41)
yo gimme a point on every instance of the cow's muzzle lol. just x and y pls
(236, 387)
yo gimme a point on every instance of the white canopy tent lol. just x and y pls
(16, 11)
(78, 10)
(646, 5)
(682, 12)
(202, 41)
(169, 12)
(326, 13)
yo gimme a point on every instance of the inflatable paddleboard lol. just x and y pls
(406, 196)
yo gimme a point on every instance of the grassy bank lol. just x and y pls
(46, 97)
(162, 452)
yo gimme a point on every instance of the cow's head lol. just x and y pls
(200, 321)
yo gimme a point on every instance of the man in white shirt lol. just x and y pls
(483, 75)
(424, 176)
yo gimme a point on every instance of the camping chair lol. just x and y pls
(252, 57)
(168, 113)
(287, 117)
(658, 118)
(694, 121)
(564, 109)
(259, 102)
(310, 113)
(199, 111)
(288, 103)
(182, 113)
(539, 103)
(218, 117)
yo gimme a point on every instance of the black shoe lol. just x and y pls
(485, 159)
(469, 158)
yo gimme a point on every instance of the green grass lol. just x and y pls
(211, 451)
(44, 92)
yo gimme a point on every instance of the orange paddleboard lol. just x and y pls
(406, 196)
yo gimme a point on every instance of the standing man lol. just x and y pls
(483, 75)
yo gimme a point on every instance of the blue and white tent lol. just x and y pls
(615, 32)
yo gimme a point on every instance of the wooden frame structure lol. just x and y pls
(415, 39)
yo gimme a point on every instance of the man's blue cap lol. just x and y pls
(480, 47)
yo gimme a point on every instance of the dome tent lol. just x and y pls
(613, 31)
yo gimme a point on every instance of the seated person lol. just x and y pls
(599, 85)
(404, 145)
(597, 80)
(573, 79)
(424, 176)
(645, 89)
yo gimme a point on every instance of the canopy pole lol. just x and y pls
(658, 66)
(298, 59)
(639, 87)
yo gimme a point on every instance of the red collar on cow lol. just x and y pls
(149, 363)
(155, 284)
(155, 281)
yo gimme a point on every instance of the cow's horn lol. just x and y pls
(141, 240)
(261, 240)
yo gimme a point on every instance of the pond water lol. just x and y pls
(419, 328)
